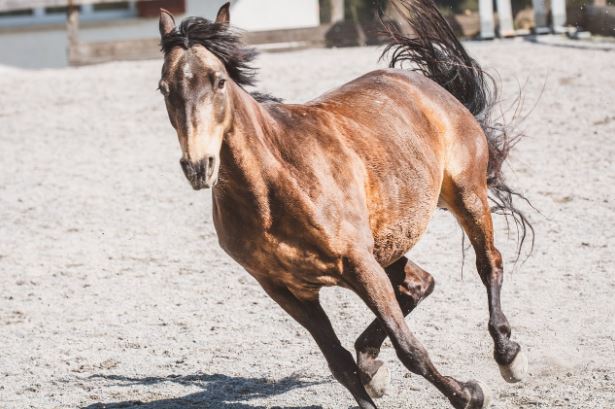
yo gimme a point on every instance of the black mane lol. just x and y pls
(222, 41)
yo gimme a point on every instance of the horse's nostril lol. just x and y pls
(199, 173)
(190, 169)
(185, 165)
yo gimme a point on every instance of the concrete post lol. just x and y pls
(558, 11)
(485, 11)
(337, 11)
(505, 18)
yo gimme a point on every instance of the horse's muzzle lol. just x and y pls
(200, 174)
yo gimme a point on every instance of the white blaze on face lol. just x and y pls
(207, 110)
(206, 137)
(187, 71)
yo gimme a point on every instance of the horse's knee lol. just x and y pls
(489, 266)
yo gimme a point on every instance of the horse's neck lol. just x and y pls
(247, 159)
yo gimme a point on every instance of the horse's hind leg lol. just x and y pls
(310, 314)
(412, 284)
(469, 202)
(369, 280)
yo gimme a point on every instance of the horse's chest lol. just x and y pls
(292, 256)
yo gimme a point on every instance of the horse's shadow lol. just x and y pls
(218, 392)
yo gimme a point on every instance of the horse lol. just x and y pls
(335, 191)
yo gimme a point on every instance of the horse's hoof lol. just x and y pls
(516, 371)
(379, 383)
(480, 395)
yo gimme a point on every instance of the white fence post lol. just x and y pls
(337, 11)
(485, 11)
(558, 10)
(506, 28)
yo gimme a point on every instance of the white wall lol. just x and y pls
(256, 15)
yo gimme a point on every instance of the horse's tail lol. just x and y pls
(434, 50)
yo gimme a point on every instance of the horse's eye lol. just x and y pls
(163, 88)
(221, 83)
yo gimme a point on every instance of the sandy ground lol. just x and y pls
(114, 293)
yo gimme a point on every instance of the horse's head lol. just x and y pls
(195, 86)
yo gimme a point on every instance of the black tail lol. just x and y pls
(434, 50)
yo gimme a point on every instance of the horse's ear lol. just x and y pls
(166, 23)
(224, 14)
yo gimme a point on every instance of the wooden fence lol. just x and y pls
(97, 52)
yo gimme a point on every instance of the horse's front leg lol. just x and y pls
(369, 280)
(412, 284)
(310, 314)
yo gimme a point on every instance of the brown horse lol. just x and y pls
(337, 190)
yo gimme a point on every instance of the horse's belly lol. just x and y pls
(401, 230)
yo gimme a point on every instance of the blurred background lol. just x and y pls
(35, 33)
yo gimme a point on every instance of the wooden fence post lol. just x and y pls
(72, 31)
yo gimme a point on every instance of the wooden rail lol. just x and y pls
(104, 51)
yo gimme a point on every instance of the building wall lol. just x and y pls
(257, 15)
